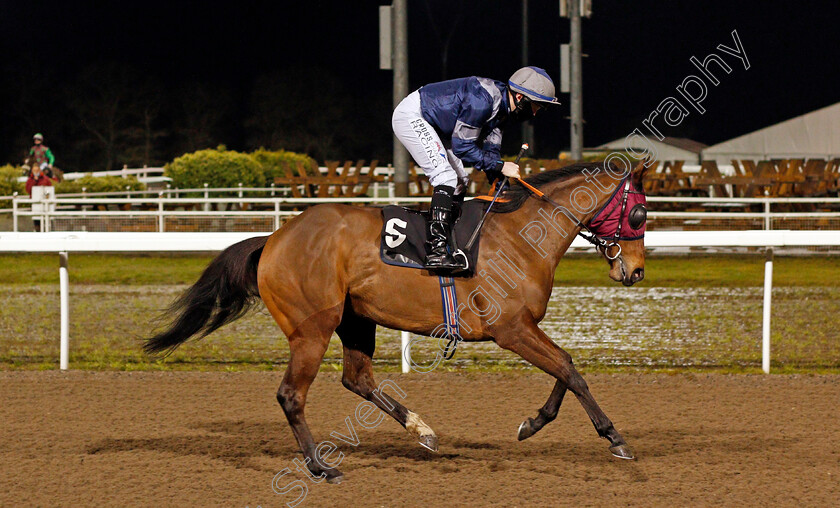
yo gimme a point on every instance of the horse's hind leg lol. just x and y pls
(545, 414)
(533, 345)
(359, 338)
(307, 346)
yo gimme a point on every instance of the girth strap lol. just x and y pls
(449, 299)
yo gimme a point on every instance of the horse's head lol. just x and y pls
(605, 203)
(622, 222)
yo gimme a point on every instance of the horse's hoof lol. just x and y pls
(429, 442)
(526, 430)
(622, 452)
(334, 477)
(331, 475)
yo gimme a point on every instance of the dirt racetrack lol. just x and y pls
(193, 438)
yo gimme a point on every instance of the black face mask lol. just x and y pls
(523, 111)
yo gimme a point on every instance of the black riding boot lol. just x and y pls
(457, 206)
(440, 232)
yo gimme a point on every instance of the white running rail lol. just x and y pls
(66, 242)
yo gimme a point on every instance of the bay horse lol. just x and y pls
(30, 166)
(321, 273)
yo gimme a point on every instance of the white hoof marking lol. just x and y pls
(417, 427)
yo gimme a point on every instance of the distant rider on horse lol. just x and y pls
(444, 125)
(40, 161)
(40, 154)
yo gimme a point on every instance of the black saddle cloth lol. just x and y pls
(403, 238)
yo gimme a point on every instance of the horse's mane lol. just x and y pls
(516, 195)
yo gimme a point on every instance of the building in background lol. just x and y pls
(669, 149)
(812, 135)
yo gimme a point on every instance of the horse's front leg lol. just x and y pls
(527, 340)
(545, 414)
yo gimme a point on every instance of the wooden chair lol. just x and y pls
(424, 188)
(677, 182)
(789, 176)
(323, 183)
(292, 181)
(350, 177)
(363, 180)
(654, 179)
(832, 176)
(304, 178)
(815, 183)
(710, 176)
(762, 177)
(653, 182)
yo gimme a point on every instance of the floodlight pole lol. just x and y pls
(400, 32)
(527, 127)
(576, 99)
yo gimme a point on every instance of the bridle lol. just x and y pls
(602, 243)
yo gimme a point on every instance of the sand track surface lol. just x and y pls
(193, 438)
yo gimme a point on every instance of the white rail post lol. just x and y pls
(64, 290)
(276, 215)
(161, 217)
(766, 210)
(14, 213)
(206, 196)
(768, 290)
(404, 352)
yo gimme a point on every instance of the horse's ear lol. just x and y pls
(641, 168)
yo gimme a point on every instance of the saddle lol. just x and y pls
(403, 237)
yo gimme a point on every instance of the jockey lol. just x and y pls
(444, 125)
(41, 155)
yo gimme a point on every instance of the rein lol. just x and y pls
(591, 237)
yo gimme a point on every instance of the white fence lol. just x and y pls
(62, 243)
(266, 214)
(145, 175)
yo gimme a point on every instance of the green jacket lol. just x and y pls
(42, 153)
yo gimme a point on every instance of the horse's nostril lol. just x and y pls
(638, 274)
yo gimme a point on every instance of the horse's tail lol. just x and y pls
(225, 291)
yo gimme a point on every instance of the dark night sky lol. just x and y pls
(637, 52)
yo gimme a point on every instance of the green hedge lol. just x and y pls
(8, 180)
(9, 184)
(275, 164)
(98, 184)
(218, 168)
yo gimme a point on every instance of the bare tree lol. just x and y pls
(201, 110)
(108, 101)
(306, 110)
(32, 100)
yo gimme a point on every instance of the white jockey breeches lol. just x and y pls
(420, 139)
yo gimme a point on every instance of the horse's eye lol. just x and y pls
(637, 216)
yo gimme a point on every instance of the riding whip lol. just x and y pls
(499, 191)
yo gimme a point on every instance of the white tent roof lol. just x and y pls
(815, 134)
(666, 150)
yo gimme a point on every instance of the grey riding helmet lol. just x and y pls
(534, 83)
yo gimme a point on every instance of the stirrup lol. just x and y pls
(446, 263)
(461, 258)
